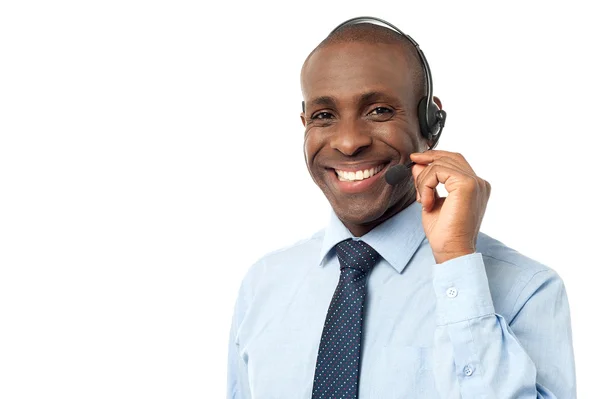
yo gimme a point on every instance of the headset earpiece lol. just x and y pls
(431, 119)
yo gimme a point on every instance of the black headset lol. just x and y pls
(431, 117)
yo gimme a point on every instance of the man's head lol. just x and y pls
(361, 88)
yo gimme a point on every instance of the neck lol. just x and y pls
(359, 230)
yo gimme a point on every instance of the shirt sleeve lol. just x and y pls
(237, 371)
(478, 355)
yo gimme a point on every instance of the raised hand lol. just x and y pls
(452, 223)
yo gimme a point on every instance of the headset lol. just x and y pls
(431, 118)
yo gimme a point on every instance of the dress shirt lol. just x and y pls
(493, 324)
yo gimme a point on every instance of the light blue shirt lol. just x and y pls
(493, 324)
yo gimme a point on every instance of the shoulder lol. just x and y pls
(513, 277)
(283, 262)
(503, 258)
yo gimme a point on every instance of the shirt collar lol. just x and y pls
(396, 239)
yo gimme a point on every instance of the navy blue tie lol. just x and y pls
(338, 362)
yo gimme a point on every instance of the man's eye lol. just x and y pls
(380, 110)
(322, 115)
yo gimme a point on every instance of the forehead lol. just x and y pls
(344, 71)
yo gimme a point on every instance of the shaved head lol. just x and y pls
(369, 33)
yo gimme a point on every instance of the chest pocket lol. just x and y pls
(401, 371)
(281, 365)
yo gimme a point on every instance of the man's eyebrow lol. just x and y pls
(322, 101)
(374, 96)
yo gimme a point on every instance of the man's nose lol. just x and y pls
(350, 138)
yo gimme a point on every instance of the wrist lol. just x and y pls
(441, 257)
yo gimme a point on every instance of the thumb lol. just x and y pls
(416, 170)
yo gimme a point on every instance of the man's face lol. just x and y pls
(360, 119)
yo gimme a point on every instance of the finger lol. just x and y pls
(423, 171)
(447, 162)
(464, 166)
(436, 201)
(458, 164)
(419, 173)
(435, 155)
(434, 174)
(417, 170)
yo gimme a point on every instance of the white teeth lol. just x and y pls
(358, 175)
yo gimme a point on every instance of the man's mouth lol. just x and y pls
(357, 175)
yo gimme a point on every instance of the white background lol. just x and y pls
(151, 151)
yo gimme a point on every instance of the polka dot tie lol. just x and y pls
(338, 361)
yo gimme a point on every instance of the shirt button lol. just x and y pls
(451, 292)
(468, 370)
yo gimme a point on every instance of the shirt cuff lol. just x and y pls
(462, 290)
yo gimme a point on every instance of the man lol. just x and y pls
(400, 296)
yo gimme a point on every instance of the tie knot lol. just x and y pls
(356, 255)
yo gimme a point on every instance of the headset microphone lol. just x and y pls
(398, 173)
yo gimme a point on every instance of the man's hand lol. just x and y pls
(452, 223)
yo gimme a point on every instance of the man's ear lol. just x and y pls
(302, 116)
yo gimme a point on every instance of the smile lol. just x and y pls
(357, 175)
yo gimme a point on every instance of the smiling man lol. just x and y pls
(400, 296)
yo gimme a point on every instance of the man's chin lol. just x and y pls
(359, 214)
